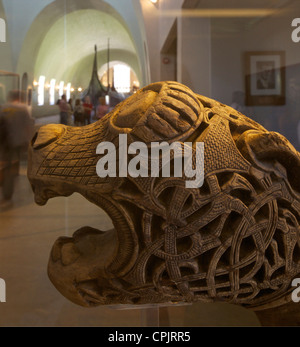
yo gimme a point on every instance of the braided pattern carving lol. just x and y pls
(243, 247)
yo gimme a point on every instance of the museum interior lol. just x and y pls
(243, 54)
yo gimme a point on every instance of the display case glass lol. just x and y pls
(72, 63)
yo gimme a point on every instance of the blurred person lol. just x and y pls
(78, 113)
(16, 130)
(63, 110)
(70, 112)
(88, 108)
(102, 108)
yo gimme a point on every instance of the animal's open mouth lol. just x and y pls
(82, 267)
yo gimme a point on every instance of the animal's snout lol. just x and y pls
(37, 156)
(46, 135)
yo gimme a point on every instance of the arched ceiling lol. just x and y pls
(71, 39)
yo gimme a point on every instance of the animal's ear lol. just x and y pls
(271, 152)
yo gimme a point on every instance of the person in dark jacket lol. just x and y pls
(16, 130)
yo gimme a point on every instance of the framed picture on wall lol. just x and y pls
(265, 78)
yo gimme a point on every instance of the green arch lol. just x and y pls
(46, 38)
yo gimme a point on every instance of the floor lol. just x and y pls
(27, 233)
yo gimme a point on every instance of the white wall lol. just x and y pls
(158, 23)
(228, 69)
(273, 33)
(194, 54)
(166, 20)
(152, 34)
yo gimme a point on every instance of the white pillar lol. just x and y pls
(2, 290)
(2, 30)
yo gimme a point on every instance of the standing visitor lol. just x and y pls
(70, 112)
(102, 108)
(78, 113)
(16, 130)
(63, 110)
(88, 107)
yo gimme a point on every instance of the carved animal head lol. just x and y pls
(234, 239)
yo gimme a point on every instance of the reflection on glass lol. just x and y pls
(47, 50)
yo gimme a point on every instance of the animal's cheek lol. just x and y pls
(69, 254)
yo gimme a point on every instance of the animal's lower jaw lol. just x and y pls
(78, 265)
(81, 267)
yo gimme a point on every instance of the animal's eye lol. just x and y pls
(46, 135)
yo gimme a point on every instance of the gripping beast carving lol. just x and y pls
(234, 239)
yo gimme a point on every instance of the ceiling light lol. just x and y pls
(154, 1)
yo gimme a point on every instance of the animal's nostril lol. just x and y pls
(46, 135)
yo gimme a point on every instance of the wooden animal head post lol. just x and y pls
(234, 239)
